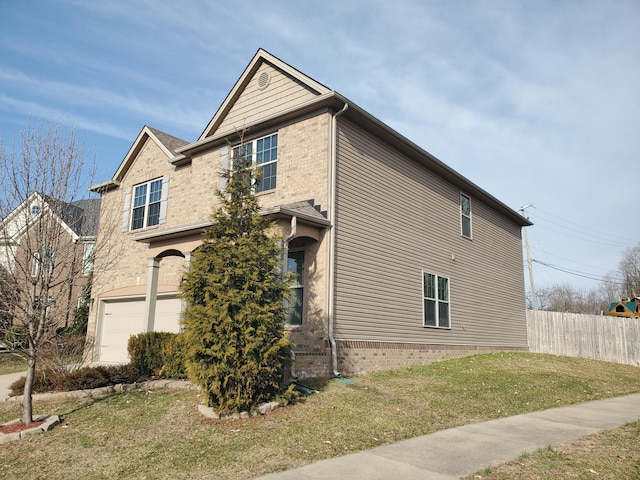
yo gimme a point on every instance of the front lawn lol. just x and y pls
(159, 434)
(11, 363)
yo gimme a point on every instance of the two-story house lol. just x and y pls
(46, 249)
(399, 259)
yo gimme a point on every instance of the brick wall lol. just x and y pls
(358, 358)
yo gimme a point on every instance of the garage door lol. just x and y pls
(124, 318)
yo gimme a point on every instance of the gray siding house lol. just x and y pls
(399, 259)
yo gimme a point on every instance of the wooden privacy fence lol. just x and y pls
(612, 339)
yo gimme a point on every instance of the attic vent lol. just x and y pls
(263, 80)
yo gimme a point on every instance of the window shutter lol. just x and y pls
(164, 197)
(224, 166)
(126, 210)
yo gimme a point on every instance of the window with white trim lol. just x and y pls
(35, 265)
(88, 255)
(465, 215)
(146, 204)
(264, 155)
(42, 262)
(436, 300)
(293, 304)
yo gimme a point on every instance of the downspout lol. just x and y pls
(332, 241)
(292, 234)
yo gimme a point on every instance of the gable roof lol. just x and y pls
(79, 218)
(261, 57)
(333, 101)
(167, 143)
(322, 98)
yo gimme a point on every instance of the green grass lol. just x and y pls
(159, 434)
(612, 455)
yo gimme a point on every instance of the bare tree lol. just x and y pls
(629, 271)
(565, 298)
(611, 288)
(42, 247)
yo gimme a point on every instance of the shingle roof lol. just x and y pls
(88, 217)
(81, 216)
(169, 141)
(305, 210)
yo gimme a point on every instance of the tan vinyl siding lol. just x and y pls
(282, 93)
(394, 219)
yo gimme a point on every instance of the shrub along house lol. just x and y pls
(399, 259)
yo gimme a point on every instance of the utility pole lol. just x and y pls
(534, 303)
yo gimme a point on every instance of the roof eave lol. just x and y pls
(104, 186)
(327, 100)
(407, 146)
(280, 211)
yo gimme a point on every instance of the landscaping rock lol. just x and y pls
(262, 410)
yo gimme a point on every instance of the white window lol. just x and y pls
(295, 265)
(35, 265)
(42, 262)
(146, 204)
(465, 215)
(264, 155)
(436, 300)
(87, 258)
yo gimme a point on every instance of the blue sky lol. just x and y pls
(537, 102)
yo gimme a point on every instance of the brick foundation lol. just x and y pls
(358, 358)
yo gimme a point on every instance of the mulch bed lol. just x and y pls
(19, 426)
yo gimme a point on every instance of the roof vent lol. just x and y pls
(263, 80)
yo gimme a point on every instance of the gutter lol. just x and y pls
(332, 241)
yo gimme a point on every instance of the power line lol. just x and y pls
(578, 273)
(601, 233)
(586, 237)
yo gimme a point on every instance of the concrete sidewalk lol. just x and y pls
(6, 381)
(450, 454)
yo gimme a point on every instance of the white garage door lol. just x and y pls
(124, 318)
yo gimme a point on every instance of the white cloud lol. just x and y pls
(534, 101)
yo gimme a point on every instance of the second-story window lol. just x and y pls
(88, 256)
(146, 204)
(465, 212)
(264, 155)
(42, 262)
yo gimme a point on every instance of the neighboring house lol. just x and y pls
(399, 259)
(49, 236)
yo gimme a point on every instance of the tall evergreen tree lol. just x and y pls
(234, 290)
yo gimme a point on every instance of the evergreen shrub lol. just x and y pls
(146, 351)
(235, 290)
(173, 357)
